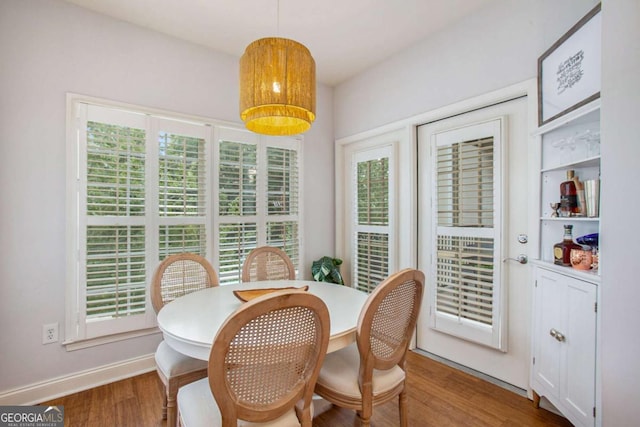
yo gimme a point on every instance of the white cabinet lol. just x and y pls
(564, 344)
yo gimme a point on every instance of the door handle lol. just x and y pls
(557, 335)
(521, 258)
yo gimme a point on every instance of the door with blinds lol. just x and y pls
(372, 236)
(472, 206)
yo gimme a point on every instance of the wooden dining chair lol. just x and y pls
(267, 263)
(263, 365)
(371, 371)
(178, 275)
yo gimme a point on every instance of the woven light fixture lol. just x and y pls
(277, 87)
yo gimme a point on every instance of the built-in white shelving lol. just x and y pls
(564, 338)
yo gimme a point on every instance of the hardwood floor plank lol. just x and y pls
(439, 395)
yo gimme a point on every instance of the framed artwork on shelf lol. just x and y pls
(569, 71)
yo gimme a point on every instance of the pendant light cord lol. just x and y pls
(278, 18)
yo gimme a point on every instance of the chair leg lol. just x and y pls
(172, 394)
(365, 421)
(171, 411)
(164, 403)
(366, 409)
(402, 408)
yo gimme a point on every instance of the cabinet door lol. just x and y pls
(580, 350)
(549, 305)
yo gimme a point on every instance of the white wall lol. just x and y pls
(500, 46)
(620, 207)
(48, 48)
(489, 50)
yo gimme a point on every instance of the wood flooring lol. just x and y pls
(438, 396)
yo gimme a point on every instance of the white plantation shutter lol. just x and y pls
(258, 198)
(183, 188)
(282, 201)
(112, 207)
(372, 259)
(234, 244)
(237, 203)
(116, 271)
(237, 178)
(372, 176)
(182, 175)
(466, 211)
(140, 188)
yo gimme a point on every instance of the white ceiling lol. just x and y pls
(344, 36)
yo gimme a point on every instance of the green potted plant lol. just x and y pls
(327, 269)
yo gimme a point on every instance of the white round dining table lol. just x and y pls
(190, 323)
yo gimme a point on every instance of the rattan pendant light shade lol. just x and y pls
(277, 87)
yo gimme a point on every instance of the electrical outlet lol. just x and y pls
(49, 333)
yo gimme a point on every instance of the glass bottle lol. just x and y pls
(562, 250)
(569, 196)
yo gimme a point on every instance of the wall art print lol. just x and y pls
(569, 71)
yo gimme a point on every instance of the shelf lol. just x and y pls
(567, 118)
(589, 276)
(571, 219)
(562, 148)
(585, 163)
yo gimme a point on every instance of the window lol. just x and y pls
(465, 250)
(372, 229)
(259, 196)
(142, 187)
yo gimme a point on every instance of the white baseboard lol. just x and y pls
(34, 394)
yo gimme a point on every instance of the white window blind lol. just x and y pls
(372, 217)
(466, 207)
(237, 205)
(142, 186)
(258, 198)
(183, 178)
(139, 194)
(283, 193)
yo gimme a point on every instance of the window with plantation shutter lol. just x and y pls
(372, 176)
(182, 188)
(466, 205)
(143, 185)
(237, 204)
(139, 193)
(282, 201)
(258, 198)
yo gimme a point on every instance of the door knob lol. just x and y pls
(557, 335)
(521, 258)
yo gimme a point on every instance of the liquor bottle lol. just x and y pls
(562, 250)
(569, 196)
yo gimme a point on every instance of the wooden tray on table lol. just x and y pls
(249, 294)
